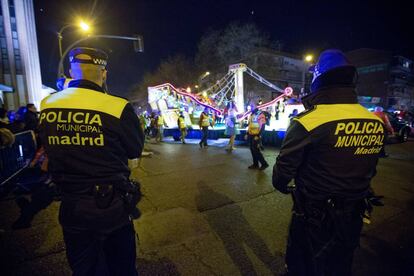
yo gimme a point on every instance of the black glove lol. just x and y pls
(376, 200)
(287, 189)
(131, 194)
(282, 185)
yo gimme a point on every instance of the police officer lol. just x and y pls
(89, 137)
(256, 126)
(331, 151)
(379, 111)
(159, 123)
(182, 126)
(204, 122)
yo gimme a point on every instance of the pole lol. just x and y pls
(60, 44)
(60, 37)
(60, 66)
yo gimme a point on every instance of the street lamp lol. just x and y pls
(82, 25)
(309, 58)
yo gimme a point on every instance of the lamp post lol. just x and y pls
(82, 25)
(139, 47)
(201, 78)
(308, 60)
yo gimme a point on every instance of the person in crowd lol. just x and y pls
(18, 123)
(231, 125)
(379, 111)
(147, 125)
(277, 109)
(204, 122)
(142, 121)
(31, 120)
(43, 193)
(182, 126)
(159, 125)
(4, 120)
(152, 125)
(91, 168)
(255, 129)
(16, 120)
(293, 115)
(331, 178)
(283, 105)
(6, 137)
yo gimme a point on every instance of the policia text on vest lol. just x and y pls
(367, 137)
(80, 128)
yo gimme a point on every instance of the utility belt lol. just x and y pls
(318, 208)
(129, 191)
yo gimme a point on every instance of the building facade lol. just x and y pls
(384, 79)
(19, 62)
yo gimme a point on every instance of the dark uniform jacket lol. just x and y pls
(89, 137)
(332, 148)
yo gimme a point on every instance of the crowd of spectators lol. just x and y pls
(12, 122)
(24, 118)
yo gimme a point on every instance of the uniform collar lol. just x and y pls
(85, 84)
(332, 95)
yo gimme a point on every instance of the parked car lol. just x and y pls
(402, 127)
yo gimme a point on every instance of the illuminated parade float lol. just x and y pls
(170, 101)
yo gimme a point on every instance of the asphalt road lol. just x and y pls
(205, 213)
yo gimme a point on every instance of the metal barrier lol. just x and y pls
(16, 157)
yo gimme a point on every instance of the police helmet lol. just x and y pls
(329, 61)
(88, 56)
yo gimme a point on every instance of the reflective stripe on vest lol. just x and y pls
(205, 122)
(182, 123)
(254, 125)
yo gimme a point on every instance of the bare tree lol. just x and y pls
(177, 70)
(219, 48)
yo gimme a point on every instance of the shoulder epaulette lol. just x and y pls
(305, 112)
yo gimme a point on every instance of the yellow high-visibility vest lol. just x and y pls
(205, 120)
(182, 123)
(254, 125)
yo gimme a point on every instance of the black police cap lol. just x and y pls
(95, 56)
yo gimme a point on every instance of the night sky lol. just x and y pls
(170, 27)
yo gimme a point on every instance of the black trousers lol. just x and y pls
(323, 243)
(255, 151)
(203, 141)
(383, 152)
(91, 253)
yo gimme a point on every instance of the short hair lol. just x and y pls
(29, 105)
(87, 71)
